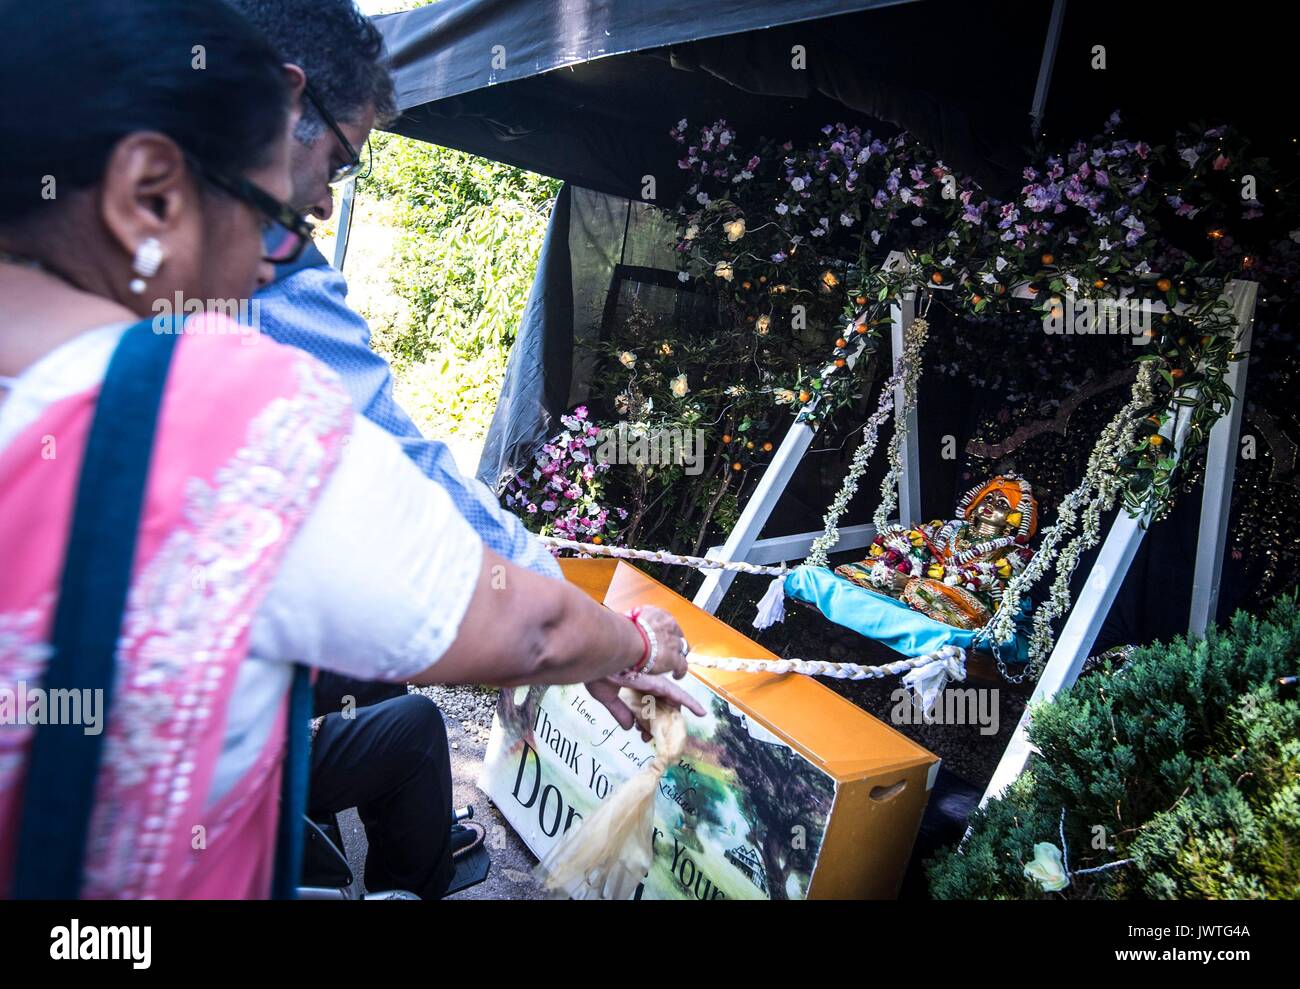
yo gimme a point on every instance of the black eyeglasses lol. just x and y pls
(285, 231)
(351, 168)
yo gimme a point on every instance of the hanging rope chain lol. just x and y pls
(663, 556)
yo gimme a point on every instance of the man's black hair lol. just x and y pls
(337, 47)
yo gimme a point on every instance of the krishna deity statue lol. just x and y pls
(955, 571)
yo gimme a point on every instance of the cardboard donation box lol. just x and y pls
(786, 790)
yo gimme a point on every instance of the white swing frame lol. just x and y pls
(1075, 640)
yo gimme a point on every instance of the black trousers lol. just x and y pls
(391, 762)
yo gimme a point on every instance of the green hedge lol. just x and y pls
(1184, 761)
(468, 233)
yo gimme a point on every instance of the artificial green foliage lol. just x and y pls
(1185, 761)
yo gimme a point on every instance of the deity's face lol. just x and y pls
(992, 511)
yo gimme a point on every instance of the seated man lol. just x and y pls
(389, 756)
(389, 760)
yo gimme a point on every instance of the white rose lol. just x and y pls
(627, 359)
(1047, 869)
(692, 231)
(679, 386)
(723, 270)
(735, 229)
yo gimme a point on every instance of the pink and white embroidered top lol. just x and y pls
(279, 528)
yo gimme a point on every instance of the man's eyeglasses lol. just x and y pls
(285, 231)
(351, 167)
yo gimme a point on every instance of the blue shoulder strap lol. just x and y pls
(293, 789)
(64, 761)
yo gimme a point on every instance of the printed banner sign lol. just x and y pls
(741, 815)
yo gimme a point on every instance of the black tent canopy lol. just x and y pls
(585, 90)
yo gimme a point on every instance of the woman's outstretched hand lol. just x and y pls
(663, 688)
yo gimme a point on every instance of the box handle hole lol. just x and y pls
(883, 793)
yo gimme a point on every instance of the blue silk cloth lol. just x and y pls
(892, 622)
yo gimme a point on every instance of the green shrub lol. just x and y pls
(1184, 762)
(468, 232)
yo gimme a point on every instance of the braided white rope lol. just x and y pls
(821, 668)
(663, 556)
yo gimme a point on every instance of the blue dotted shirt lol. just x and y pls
(308, 309)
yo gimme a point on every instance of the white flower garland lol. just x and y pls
(1098, 491)
(906, 371)
(889, 486)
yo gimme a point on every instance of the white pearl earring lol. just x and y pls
(148, 259)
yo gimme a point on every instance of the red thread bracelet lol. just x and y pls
(645, 642)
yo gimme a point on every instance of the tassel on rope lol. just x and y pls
(771, 607)
(609, 853)
(927, 682)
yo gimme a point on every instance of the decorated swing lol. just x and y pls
(965, 582)
(935, 591)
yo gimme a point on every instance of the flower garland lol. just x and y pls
(889, 486)
(1098, 490)
(930, 551)
(907, 371)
